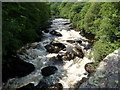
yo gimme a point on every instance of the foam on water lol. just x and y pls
(69, 72)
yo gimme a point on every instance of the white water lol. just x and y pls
(69, 73)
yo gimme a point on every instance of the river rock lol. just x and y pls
(56, 86)
(89, 67)
(66, 56)
(67, 23)
(15, 67)
(49, 70)
(70, 41)
(46, 31)
(78, 52)
(79, 41)
(53, 32)
(41, 85)
(55, 47)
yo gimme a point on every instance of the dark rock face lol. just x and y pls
(14, 67)
(78, 52)
(55, 47)
(89, 67)
(49, 70)
(53, 32)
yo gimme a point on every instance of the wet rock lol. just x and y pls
(49, 70)
(27, 87)
(78, 52)
(79, 83)
(66, 56)
(89, 67)
(27, 46)
(71, 41)
(53, 32)
(66, 23)
(79, 41)
(55, 60)
(41, 85)
(55, 47)
(83, 80)
(56, 86)
(14, 67)
(46, 31)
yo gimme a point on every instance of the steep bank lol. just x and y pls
(107, 73)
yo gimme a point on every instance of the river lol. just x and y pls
(69, 70)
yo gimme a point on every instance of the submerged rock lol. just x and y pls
(49, 70)
(53, 32)
(55, 47)
(14, 67)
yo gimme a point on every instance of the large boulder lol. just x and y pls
(49, 70)
(55, 47)
(15, 67)
(66, 56)
(78, 52)
(89, 67)
(53, 32)
(107, 73)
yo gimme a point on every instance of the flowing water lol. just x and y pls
(69, 72)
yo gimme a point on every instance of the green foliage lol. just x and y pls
(99, 18)
(91, 16)
(55, 8)
(21, 21)
(101, 49)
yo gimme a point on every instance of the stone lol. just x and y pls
(46, 31)
(106, 74)
(56, 86)
(14, 67)
(66, 23)
(53, 32)
(78, 52)
(79, 41)
(66, 56)
(49, 70)
(55, 47)
(89, 67)
(70, 41)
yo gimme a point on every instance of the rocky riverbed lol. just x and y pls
(61, 59)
